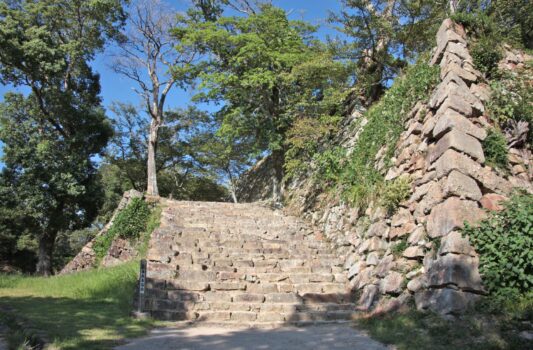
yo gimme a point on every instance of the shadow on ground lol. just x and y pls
(79, 323)
(330, 337)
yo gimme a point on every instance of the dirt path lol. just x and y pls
(336, 337)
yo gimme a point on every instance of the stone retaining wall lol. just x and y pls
(441, 153)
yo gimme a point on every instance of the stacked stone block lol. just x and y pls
(243, 264)
(418, 253)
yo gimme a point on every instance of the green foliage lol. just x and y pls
(495, 149)
(133, 222)
(153, 222)
(384, 36)
(268, 70)
(481, 329)
(486, 51)
(359, 177)
(394, 192)
(400, 247)
(511, 99)
(504, 242)
(70, 243)
(303, 143)
(477, 23)
(329, 164)
(101, 245)
(509, 21)
(51, 135)
(486, 55)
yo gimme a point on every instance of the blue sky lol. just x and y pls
(118, 88)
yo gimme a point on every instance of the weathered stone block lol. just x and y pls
(282, 298)
(460, 185)
(451, 214)
(413, 252)
(459, 49)
(444, 301)
(379, 229)
(402, 230)
(453, 160)
(493, 201)
(384, 266)
(454, 68)
(249, 298)
(455, 243)
(403, 216)
(415, 285)
(459, 141)
(373, 244)
(367, 297)
(450, 119)
(356, 268)
(392, 283)
(453, 269)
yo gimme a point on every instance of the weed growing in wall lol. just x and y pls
(359, 178)
(394, 192)
(495, 149)
(130, 224)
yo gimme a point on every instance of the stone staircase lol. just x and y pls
(243, 264)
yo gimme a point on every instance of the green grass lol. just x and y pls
(86, 310)
(481, 329)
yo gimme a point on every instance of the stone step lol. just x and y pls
(257, 319)
(243, 264)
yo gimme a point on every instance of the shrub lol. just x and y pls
(329, 163)
(495, 149)
(485, 50)
(394, 192)
(477, 23)
(130, 223)
(504, 242)
(511, 99)
(303, 141)
(486, 55)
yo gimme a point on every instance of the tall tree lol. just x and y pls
(249, 68)
(148, 57)
(52, 135)
(383, 36)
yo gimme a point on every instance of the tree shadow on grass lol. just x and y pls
(79, 323)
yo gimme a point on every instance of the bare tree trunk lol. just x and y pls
(232, 185)
(233, 194)
(278, 159)
(46, 248)
(453, 6)
(152, 189)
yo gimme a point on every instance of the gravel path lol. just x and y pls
(336, 337)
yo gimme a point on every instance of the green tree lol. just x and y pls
(250, 67)
(383, 36)
(52, 135)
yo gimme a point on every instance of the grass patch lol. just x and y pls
(411, 329)
(86, 310)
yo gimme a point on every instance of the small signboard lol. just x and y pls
(142, 284)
